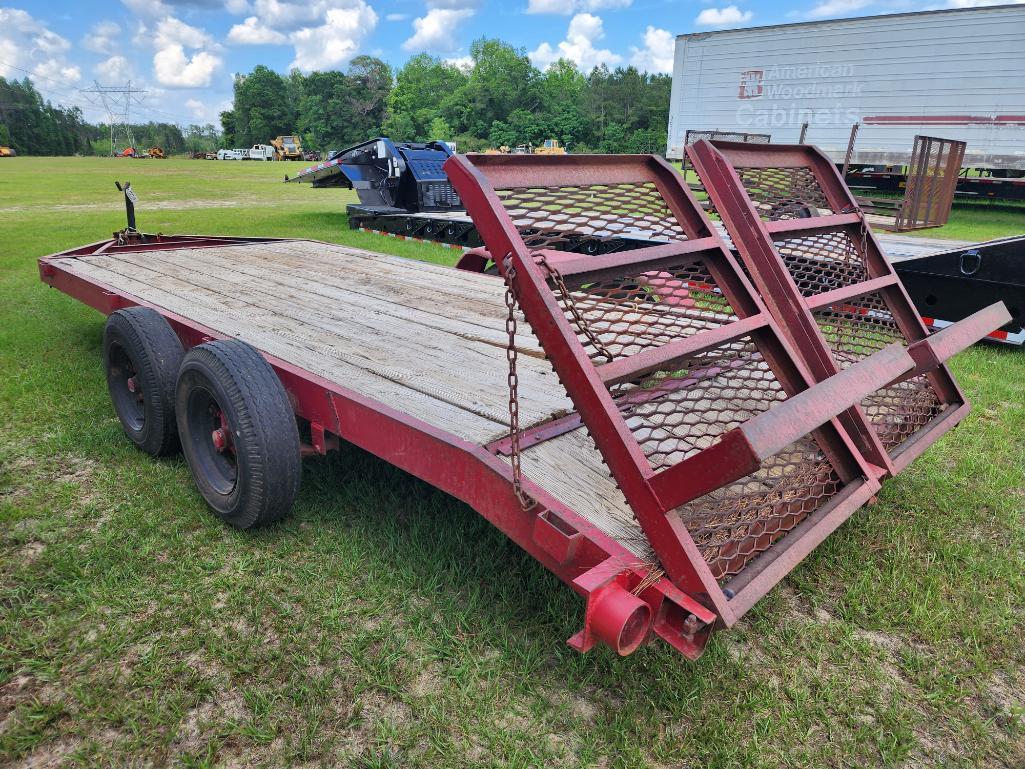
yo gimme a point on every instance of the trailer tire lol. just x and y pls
(238, 433)
(141, 358)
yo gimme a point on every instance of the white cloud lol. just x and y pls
(197, 109)
(833, 8)
(147, 9)
(252, 32)
(730, 15)
(114, 69)
(335, 41)
(579, 46)
(102, 38)
(288, 15)
(238, 7)
(28, 45)
(206, 111)
(53, 70)
(185, 55)
(563, 7)
(566, 7)
(437, 30)
(657, 53)
(396, 17)
(171, 31)
(325, 33)
(461, 62)
(175, 69)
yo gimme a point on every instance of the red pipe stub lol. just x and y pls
(621, 620)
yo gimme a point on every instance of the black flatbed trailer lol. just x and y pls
(952, 284)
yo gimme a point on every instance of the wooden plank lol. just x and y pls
(448, 314)
(466, 375)
(570, 468)
(293, 342)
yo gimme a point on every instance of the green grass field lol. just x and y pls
(386, 625)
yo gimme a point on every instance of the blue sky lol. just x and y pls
(184, 52)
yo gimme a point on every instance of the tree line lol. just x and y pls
(34, 126)
(499, 99)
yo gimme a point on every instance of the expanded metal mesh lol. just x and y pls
(630, 313)
(547, 217)
(823, 262)
(931, 183)
(686, 407)
(727, 136)
(734, 524)
(855, 330)
(784, 193)
(674, 414)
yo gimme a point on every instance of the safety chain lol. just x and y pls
(578, 319)
(526, 502)
(852, 208)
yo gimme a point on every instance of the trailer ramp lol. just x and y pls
(817, 264)
(733, 462)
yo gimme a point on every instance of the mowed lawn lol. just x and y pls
(386, 625)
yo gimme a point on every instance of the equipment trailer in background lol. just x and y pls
(649, 424)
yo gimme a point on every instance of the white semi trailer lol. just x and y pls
(955, 74)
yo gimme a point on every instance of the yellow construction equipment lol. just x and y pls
(156, 152)
(287, 148)
(7, 152)
(550, 147)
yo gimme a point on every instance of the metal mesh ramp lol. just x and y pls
(727, 454)
(809, 251)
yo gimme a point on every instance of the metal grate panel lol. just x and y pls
(784, 193)
(823, 262)
(855, 330)
(547, 217)
(679, 373)
(734, 524)
(673, 414)
(931, 183)
(619, 317)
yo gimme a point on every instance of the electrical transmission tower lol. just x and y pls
(117, 102)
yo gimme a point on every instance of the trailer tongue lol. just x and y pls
(685, 426)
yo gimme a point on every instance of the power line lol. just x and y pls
(117, 100)
(73, 98)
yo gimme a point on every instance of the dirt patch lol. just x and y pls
(30, 552)
(884, 641)
(428, 683)
(50, 755)
(579, 705)
(31, 473)
(205, 719)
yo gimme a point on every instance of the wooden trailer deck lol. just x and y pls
(425, 339)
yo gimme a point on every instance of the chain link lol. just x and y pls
(853, 208)
(578, 319)
(526, 502)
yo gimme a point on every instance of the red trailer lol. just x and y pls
(647, 424)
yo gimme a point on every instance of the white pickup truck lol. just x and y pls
(231, 154)
(259, 152)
